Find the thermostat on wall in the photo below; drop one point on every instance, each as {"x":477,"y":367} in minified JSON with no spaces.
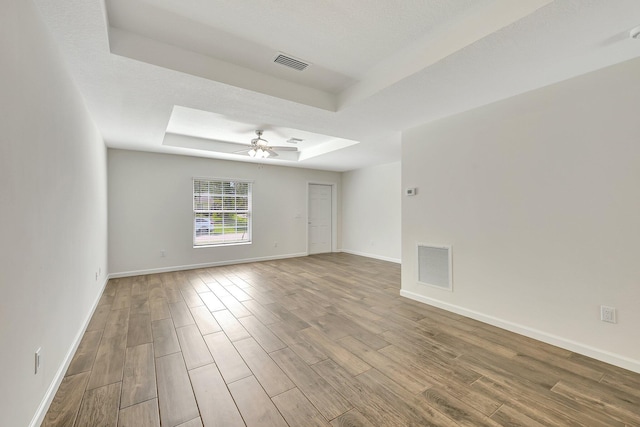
{"x":411,"y":191}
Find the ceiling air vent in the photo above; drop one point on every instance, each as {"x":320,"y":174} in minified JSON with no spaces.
{"x":290,"y":62}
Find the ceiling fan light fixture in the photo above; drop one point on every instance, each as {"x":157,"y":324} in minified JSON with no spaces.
{"x":252,"y":152}
{"x":265,"y":154}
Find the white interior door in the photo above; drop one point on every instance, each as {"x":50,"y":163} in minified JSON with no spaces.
{"x":319,"y":218}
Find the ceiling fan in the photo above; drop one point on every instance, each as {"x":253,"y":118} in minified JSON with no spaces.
{"x":260,"y":147}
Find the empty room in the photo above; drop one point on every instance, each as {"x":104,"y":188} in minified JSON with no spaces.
{"x":303,"y":213}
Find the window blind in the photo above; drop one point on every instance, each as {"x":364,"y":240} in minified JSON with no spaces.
{"x":221,"y":212}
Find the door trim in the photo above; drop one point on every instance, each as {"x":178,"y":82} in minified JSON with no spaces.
{"x":334,"y":214}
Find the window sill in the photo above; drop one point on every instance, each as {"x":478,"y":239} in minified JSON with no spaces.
{"x":218,"y":245}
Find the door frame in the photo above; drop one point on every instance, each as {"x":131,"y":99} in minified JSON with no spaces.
{"x":334,"y":213}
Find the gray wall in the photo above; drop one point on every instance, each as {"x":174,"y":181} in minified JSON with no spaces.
{"x":53,"y":216}
{"x":371,"y":212}
{"x":150,"y":209}
{"x":538,"y":195}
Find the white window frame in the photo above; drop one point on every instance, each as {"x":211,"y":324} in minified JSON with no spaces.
{"x":210,"y":236}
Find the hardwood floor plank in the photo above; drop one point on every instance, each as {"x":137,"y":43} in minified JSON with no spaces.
{"x":268,"y":374}
{"x":197,"y":283}
{"x":254,"y":404}
{"x":212,"y":302}
{"x":156,"y":292}
{"x":139,"y":330}
{"x":231,"y":365}
{"x":286,"y":316}
{"x":159,"y":309}
{"x":99,"y":318}
{"x":175,"y":395}
{"x":205,"y":321}
{"x":297,"y":410}
{"x":217,"y":408}
{"x":180,"y":314}
{"x":414,"y":408}
{"x":323,"y":396}
{"x":122,"y":299}
{"x":165,"y":340}
{"x":350,"y":362}
{"x":367,"y":401}
{"x":144,"y":414}
{"x":66,"y":403}
{"x":261,"y":313}
{"x":194,"y":349}
{"x":429,"y":372}
{"x":543,"y":405}
{"x":139,"y":379}
{"x":619,"y":408}
{"x":230,"y":325}
{"x":238,"y":293}
{"x":234,"y":306}
{"x":191,"y":297}
{"x":109,"y":363}
{"x":429,"y":365}
{"x":117,"y":323}
{"x":100,"y":407}
{"x":196,"y":422}
{"x":507,"y":416}
{"x":303,"y":348}
{"x":86,"y":353}
{"x":139,"y":304}
{"x":262,"y":334}
{"x":461,"y":413}
{"x":387,"y":366}
{"x":353,"y":418}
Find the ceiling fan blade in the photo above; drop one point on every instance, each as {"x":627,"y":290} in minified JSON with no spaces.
{"x":282,"y":148}
{"x":272,"y":153}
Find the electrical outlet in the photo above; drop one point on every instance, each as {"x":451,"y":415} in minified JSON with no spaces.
{"x":608,"y":314}
{"x":163,"y":253}
{"x":37,"y":361}
{"x":275,"y":244}
{"x":96,"y":276}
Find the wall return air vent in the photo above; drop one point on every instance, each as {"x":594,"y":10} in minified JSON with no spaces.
{"x":290,"y":62}
{"x":434,"y":266}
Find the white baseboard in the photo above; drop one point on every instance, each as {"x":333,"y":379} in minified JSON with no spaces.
{"x":205,"y":265}
{"x":368,"y":255}
{"x":38,"y":417}
{"x":576,"y":347}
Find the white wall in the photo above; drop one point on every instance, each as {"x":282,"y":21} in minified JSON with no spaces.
{"x":53,"y":216}
{"x":539,"y":196}
{"x":371,"y":200}
{"x":150,"y":209}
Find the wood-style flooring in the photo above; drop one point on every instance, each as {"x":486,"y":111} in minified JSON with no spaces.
{"x":324,"y":340}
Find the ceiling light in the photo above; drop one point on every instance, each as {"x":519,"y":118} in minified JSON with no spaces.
{"x":635,"y":33}
{"x":261,"y":149}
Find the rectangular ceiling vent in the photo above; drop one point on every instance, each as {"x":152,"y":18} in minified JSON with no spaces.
{"x":434,"y":266}
{"x":294,"y":140}
{"x":290,"y":62}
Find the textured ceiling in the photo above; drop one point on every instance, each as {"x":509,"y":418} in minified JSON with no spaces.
{"x":378,"y":67}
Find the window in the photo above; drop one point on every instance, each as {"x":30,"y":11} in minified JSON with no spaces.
{"x":221,"y":212}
